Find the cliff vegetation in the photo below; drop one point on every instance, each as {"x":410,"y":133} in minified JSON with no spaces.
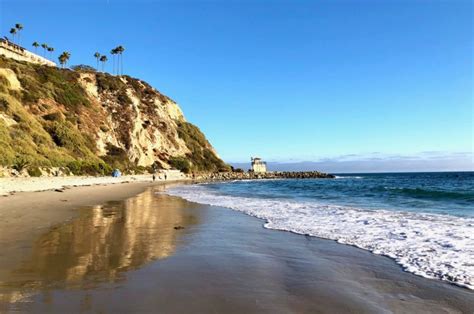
{"x":86,"y":122}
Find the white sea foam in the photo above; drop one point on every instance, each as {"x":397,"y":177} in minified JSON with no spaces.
{"x":429,"y":245}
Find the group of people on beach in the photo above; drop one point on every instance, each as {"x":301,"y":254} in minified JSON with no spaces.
{"x":154,"y":177}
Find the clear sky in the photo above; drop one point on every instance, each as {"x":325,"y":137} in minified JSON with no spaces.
{"x":287,"y":80}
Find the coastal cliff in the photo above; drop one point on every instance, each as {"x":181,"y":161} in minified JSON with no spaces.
{"x":86,"y":122}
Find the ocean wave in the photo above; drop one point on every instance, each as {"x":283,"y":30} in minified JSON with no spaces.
{"x":348,"y":177}
{"x":430,"y":245}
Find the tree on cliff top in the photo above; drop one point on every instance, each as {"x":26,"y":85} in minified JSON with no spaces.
{"x":19,"y":28}
{"x":120,"y":50}
{"x":36,"y":45}
{"x":103,"y":59}
{"x":13,"y":32}
{"x":64,"y":58}
{"x":97,"y":57}
{"x":113,"y":52}
{"x":50,"y":50}
{"x":45,"y":47}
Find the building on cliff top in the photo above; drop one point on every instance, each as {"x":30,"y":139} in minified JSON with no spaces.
{"x":16,"y":52}
{"x":258,"y":165}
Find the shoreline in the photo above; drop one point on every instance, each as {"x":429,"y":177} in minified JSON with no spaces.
{"x":11,"y":185}
{"x":236,"y":245}
{"x":402,"y":236}
{"x":393,"y":259}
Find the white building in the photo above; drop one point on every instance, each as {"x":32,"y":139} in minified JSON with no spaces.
{"x":258,"y":165}
{"x":13,"y":51}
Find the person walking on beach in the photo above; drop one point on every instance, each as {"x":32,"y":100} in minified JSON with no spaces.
{"x":154,"y":177}
{"x":166,"y":176}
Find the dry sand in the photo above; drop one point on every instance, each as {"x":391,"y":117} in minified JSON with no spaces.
{"x":152,"y":253}
{"x":30,"y":184}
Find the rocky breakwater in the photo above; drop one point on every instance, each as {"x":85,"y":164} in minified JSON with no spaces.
{"x":223,"y":176}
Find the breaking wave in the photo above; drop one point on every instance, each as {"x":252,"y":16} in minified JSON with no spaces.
{"x":426,"y":244}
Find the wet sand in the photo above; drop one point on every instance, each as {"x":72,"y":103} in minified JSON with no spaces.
{"x":104,"y":250}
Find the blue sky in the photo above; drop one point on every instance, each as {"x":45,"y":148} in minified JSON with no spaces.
{"x":287,"y":80}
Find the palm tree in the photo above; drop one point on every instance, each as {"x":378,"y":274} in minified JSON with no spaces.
{"x":113,"y":52}
{"x":120,"y":50}
{"x":19,"y":28}
{"x":68,"y":56}
{"x":36,"y":45}
{"x":97,"y":56}
{"x":64,"y":58}
{"x":45,"y":47}
{"x":103,"y":59}
{"x":13,"y":32}
{"x":50,"y":50}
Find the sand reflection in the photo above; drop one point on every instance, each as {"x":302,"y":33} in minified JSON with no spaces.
{"x":101,"y":245}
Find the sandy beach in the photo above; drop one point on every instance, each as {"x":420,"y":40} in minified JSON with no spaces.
{"x":130,"y":248}
{"x":237,"y":158}
{"x":11,"y":185}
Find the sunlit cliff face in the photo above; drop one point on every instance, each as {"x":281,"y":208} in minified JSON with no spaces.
{"x":101,"y":245}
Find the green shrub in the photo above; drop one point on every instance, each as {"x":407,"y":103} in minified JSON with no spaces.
{"x":109,"y":83}
{"x":94,"y":168}
{"x":55,"y":116}
{"x":180,"y":163}
{"x":20,"y":163}
{"x":49,"y":82}
{"x":140,"y":170}
{"x":75,"y":167}
{"x":34,"y":172}
{"x":89,"y":168}
{"x":117,"y":158}
{"x":201,"y":156}
{"x":71,"y":95}
{"x":114,"y":85}
{"x":64,"y":134}
{"x":83,"y":68}
{"x":90,"y":142}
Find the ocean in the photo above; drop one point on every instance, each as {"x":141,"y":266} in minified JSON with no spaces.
{"x":424,"y":221}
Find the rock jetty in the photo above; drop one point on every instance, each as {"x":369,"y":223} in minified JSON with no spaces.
{"x":223,"y":176}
